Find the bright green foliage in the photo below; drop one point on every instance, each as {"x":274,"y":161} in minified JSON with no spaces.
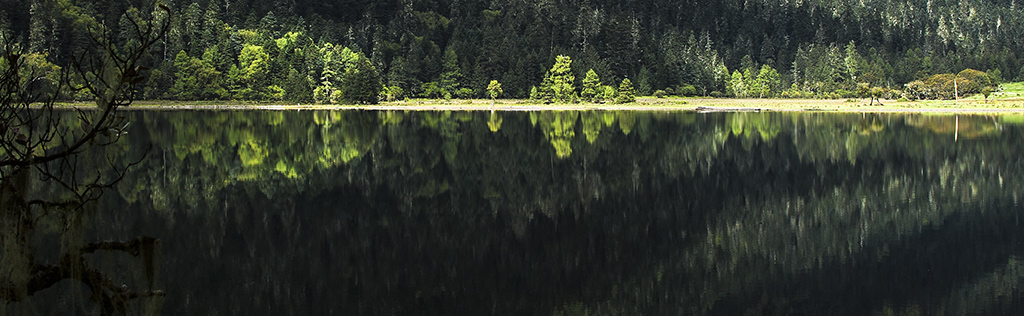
{"x":627,"y":94}
{"x":196,"y":79}
{"x":591,"y":85}
{"x":940,"y":86}
{"x":324,"y":92}
{"x":535,"y":93}
{"x":509,"y":44}
{"x":767,"y":82}
{"x":607,"y":93}
{"x":494,"y":89}
{"x":346,"y":76}
{"x":392,"y":93}
{"x":737,"y":87}
{"x":33,"y":71}
{"x":558,"y":83}
{"x":250,"y":77}
{"x":749,"y":80}
{"x":851,"y":62}
{"x":332,"y":64}
{"x":996,"y":76}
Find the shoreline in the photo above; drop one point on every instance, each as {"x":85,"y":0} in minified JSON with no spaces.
{"x":646,"y":104}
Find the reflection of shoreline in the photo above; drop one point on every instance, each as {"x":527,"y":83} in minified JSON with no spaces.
{"x":972,"y":126}
{"x":393,"y":211}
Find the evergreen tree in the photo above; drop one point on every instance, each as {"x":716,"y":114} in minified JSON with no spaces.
{"x":737,"y":87}
{"x":591,"y":86}
{"x":851,"y":62}
{"x":362,"y":83}
{"x":451,"y":74}
{"x":509,"y":41}
{"x":297,"y":87}
{"x":627,"y":94}
{"x":767,"y":82}
{"x":558,"y":83}
{"x":213,"y":31}
{"x":192,"y":29}
{"x":643,"y":85}
{"x":397,"y":74}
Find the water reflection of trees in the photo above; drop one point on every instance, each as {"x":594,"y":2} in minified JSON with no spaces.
{"x":599,"y":212}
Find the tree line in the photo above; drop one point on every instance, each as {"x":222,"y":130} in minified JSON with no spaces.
{"x":361,"y":52}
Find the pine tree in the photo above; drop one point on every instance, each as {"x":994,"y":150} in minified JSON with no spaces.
{"x":591,"y":84}
{"x":851,"y":62}
{"x":192,"y":32}
{"x":767,"y":82}
{"x":737,"y":87}
{"x":558,"y":83}
{"x":643,"y":84}
{"x":398,"y":76}
{"x":451,"y":75}
{"x":362,"y":83}
{"x":627,"y":94}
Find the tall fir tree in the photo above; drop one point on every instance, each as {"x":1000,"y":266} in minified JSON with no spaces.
{"x":451,"y":74}
{"x":591,"y":86}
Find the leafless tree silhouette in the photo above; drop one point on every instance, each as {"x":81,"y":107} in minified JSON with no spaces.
{"x":44,"y":147}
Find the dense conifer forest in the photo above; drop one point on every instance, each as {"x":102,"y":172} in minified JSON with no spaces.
{"x":359,"y":51}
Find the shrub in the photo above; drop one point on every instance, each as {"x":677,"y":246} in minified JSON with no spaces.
{"x":687,"y":90}
{"x":464,"y":93}
{"x":716,"y":94}
{"x":432,"y":90}
{"x":392,"y":93}
{"x":976,"y":81}
{"x":659,"y":94}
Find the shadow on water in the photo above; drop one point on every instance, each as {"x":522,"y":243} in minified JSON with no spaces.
{"x":921,"y":274}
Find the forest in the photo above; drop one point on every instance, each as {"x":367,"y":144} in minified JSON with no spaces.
{"x":358,"y":51}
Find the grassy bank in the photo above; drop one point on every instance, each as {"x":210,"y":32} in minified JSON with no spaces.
{"x":1009,"y":98}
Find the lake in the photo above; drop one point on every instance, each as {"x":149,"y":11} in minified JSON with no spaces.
{"x":563,"y":213}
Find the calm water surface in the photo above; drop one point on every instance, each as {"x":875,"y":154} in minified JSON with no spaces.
{"x":569,"y":213}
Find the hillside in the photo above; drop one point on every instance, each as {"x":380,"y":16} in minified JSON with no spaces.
{"x":819,"y":45}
